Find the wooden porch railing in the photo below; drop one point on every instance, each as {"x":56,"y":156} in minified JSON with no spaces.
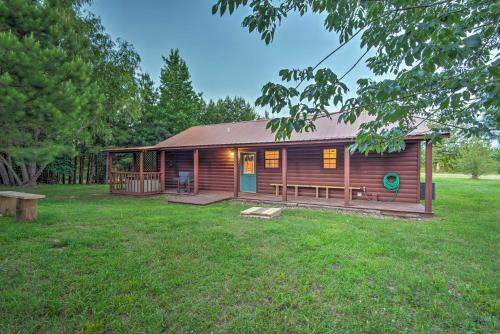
{"x":130,"y":183}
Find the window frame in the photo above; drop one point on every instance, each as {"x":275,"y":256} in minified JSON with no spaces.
{"x":329,"y":159}
{"x":274,"y":161}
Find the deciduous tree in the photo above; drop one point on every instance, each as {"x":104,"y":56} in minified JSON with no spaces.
{"x":432,"y":61}
{"x":475,"y":158}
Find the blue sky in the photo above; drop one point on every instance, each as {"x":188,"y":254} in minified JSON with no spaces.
{"x":223,"y":58}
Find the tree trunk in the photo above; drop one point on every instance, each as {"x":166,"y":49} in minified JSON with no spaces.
{"x":14,"y":178}
{"x":4,"y":174}
{"x":39,"y":172}
{"x":24,"y":173}
{"x":31,"y":174}
{"x":75,"y":163}
{"x":89,"y":167}
{"x":96,"y":178}
{"x":82,"y":161}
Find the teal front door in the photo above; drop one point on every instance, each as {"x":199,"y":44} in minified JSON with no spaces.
{"x":248,"y":179}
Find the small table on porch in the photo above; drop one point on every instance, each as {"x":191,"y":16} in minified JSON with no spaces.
{"x":23,"y":205}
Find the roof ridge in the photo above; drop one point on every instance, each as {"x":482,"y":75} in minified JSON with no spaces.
{"x":254,"y":120}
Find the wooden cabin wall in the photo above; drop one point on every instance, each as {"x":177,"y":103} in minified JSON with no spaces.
{"x":177,"y":161}
{"x":369,"y":172}
{"x":305,"y":166}
{"x":216,"y":169}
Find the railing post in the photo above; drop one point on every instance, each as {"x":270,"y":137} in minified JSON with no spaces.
{"x":347,"y":170}
{"x":162,"y":171}
{"x":141,"y":171}
{"x":284,"y":173}
{"x":236,"y":173}
{"x":110,"y":171}
{"x":428,"y":177}
{"x":196,"y":171}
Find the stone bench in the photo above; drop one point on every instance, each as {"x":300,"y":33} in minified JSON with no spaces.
{"x":22,"y":205}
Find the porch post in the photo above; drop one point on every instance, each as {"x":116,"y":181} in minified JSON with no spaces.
{"x":110,"y":171}
{"x":162,"y":171}
{"x":236,"y":173}
{"x":284,"y":172}
{"x":196,"y":172}
{"x":141,"y":171}
{"x":347,"y":171}
{"x":428,"y":177}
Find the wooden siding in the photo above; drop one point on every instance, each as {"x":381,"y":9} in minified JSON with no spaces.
{"x":369,"y":172}
{"x":216,"y":169}
{"x":305,"y":166}
{"x":177,"y":161}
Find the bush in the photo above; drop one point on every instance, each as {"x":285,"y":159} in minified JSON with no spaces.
{"x":475,"y":158}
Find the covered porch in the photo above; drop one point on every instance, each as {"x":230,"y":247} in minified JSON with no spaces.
{"x":136,"y":171}
{"x":217,"y":175}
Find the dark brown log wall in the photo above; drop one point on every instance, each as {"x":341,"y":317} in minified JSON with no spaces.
{"x":177,"y":161}
{"x":305,"y":166}
{"x":369,"y":172}
{"x":216,"y":169}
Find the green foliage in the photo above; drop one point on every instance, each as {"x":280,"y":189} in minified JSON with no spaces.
{"x":446,"y":153}
{"x":432,"y":61}
{"x":47,"y":96}
{"x":495,"y":155}
{"x":62,"y":165}
{"x":114,"y":65}
{"x":475,"y":158}
{"x":65,"y":85}
{"x":150,"y":128}
{"x":179,"y":105}
{"x":227,"y":110}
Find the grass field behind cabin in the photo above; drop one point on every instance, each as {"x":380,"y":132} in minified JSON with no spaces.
{"x":97,"y":263}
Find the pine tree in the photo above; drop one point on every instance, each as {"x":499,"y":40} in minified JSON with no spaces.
{"x":179,"y":106}
{"x":228,"y":110}
{"x":47,"y":97}
{"x":150,"y":128}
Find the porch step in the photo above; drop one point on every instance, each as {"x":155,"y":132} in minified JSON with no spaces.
{"x":259,"y":212}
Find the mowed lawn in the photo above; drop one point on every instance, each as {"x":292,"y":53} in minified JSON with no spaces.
{"x":100,"y":263}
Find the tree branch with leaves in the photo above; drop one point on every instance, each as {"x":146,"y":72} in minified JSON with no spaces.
{"x":435,"y":60}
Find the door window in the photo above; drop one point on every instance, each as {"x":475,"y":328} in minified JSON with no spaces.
{"x":248,"y":164}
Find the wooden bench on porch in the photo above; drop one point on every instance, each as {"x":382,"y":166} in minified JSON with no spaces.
{"x":23,"y":205}
{"x":317,"y":187}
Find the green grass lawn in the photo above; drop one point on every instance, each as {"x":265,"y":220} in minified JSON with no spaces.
{"x":100,"y":263}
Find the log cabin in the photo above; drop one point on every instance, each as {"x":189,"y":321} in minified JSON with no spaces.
{"x":243,"y":161}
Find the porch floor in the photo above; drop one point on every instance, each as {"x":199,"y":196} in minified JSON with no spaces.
{"x":202,"y":198}
{"x":408,"y":210}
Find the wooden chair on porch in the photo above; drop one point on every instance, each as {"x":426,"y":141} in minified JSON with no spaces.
{"x":185,"y":182}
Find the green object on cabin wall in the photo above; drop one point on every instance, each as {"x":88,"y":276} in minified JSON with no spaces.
{"x":248,"y":175}
{"x":391,"y":183}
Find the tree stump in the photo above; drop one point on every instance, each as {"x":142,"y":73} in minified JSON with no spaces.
{"x":8,"y":206}
{"x":26,"y":209}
